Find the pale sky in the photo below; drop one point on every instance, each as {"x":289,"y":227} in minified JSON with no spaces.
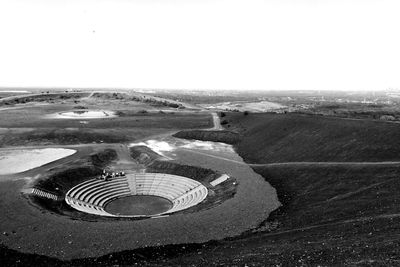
{"x":226,"y":44}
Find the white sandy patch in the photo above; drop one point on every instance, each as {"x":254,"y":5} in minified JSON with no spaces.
{"x":157,"y":146}
{"x":16,"y":161}
{"x":84,"y":114}
{"x":207,"y":145}
{"x":171,"y":144}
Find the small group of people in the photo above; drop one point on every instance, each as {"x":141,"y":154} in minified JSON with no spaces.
{"x":109,"y":175}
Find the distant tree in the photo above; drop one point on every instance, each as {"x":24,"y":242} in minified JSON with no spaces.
{"x":222,"y":114}
{"x":120,"y":113}
{"x":80,"y":107}
{"x":245,"y":113}
{"x":224,"y":122}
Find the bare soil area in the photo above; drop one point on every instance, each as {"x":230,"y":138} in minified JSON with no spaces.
{"x":138,"y":205}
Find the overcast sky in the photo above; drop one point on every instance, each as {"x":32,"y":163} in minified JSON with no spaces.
{"x":270,"y":44}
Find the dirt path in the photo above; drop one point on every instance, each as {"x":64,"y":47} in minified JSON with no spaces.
{"x":361,"y":219}
{"x":57,"y":146}
{"x":125,"y":162}
{"x":349,"y":194}
{"x":216,"y":122}
{"x":328,"y":163}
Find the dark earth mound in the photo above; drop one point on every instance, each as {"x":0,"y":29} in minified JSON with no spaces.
{"x":228,"y":137}
{"x":143,"y":154}
{"x":193,"y":172}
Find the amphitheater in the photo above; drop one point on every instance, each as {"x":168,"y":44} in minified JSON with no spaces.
{"x":93,"y":196}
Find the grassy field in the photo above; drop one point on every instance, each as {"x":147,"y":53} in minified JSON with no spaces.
{"x":290,"y":137}
{"x":30,"y":127}
{"x":51,"y":136}
{"x":37,"y":117}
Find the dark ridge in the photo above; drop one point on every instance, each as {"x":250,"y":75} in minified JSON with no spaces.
{"x":193,"y":172}
{"x":228,"y":137}
{"x":41,"y":98}
{"x":103,"y":158}
{"x":67,"y":137}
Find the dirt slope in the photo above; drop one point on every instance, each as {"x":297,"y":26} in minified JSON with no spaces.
{"x":289,"y":137}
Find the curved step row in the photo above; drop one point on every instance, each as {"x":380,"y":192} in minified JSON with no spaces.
{"x":191,"y":198}
{"x":93,"y":195}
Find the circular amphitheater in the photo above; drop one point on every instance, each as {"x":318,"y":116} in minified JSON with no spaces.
{"x":176,"y":192}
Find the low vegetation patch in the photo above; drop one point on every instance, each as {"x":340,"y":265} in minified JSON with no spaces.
{"x":355,"y":110}
{"x":153,"y":101}
{"x":143,"y":154}
{"x":46,"y":136}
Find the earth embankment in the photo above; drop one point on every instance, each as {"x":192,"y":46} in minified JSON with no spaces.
{"x":214,"y":136}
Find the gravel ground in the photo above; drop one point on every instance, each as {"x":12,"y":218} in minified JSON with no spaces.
{"x":28,"y":229}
